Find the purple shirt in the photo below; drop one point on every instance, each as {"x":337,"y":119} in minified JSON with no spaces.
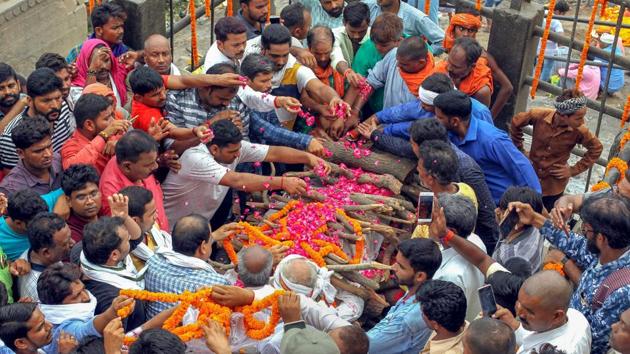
{"x":20,"y":178}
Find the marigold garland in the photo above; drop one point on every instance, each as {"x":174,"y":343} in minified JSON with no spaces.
{"x":626,"y":111}
{"x":603,"y":11}
{"x":587,"y":41}
{"x":229,"y":249}
{"x":193,"y":34}
{"x":558,"y":267}
{"x":478,"y":5}
{"x":313,"y":255}
{"x":230,"y":8}
{"x":208,"y":309}
{"x":543,"y":44}
{"x":90,"y":6}
{"x":427,"y":7}
{"x":268,"y":10}
{"x":624,"y":140}
{"x":207,"y":8}
{"x":332,"y":247}
{"x":601,"y":185}
{"x":617,"y":163}
{"x":360,"y":243}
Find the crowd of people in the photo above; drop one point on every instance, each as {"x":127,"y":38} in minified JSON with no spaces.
{"x":121,"y":171}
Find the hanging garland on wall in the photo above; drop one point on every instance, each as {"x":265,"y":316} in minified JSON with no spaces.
{"x":543,"y":45}
{"x":230,"y":8}
{"x":193,"y":33}
{"x":427,"y":6}
{"x":587,"y":42}
{"x":208,"y":9}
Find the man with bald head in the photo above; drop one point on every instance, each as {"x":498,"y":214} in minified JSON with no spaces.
{"x":254,"y":268}
{"x":545,"y":316}
{"x":158,"y":56}
{"x":489,"y":336}
{"x":298,"y":274}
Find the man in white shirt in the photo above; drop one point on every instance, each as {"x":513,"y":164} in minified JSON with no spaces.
{"x":461,"y":216}
{"x":229,"y":47}
{"x":545,"y":316}
{"x":157,"y":55}
{"x":208,"y":172}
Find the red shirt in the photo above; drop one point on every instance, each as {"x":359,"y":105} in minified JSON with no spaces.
{"x":78,"y":149}
{"x":113,"y":180}
{"x":145,"y":113}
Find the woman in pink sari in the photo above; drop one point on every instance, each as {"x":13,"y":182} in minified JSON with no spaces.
{"x":96,"y":63}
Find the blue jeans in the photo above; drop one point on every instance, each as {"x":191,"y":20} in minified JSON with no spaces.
{"x":547,"y":70}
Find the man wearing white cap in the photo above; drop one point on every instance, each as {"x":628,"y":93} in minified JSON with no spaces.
{"x":616,"y":81}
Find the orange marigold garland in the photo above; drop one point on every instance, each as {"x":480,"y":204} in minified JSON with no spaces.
{"x":268,"y":10}
{"x":603,"y":11}
{"x":543,"y":45}
{"x":427,"y":7}
{"x":208,"y":8}
{"x":313,"y":255}
{"x":229,"y":249}
{"x":617,"y":163}
{"x":587,"y":41}
{"x":626,"y":111}
{"x":230,"y":8}
{"x":624,"y":140}
{"x":193,"y":34}
{"x":600,"y":186}
{"x":90,"y":6}
{"x":478,"y":5}
{"x":360,"y":243}
{"x":558,"y":267}
{"x":210,"y":310}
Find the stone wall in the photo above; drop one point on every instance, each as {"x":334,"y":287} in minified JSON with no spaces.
{"x":29,"y":28}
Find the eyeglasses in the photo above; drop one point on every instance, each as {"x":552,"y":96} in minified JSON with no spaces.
{"x":585,"y":231}
{"x":466,"y":29}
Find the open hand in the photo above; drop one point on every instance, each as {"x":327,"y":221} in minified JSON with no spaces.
{"x":225,"y":231}
{"x":19,"y":267}
{"x":119,"y":205}
{"x":66,"y":343}
{"x":216,"y":340}
{"x":289,"y":306}
{"x":293,"y":185}
{"x":231,"y":296}
{"x":560,"y":171}
{"x":113,"y":336}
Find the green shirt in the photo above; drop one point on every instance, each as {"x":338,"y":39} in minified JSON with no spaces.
{"x":367,"y":56}
{"x":5,"y":275}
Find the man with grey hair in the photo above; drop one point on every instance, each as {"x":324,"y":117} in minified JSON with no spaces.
{"x":254,"y":269}
{"x":545,"y":317}
{"x":299,"y":274}
{"x":461,"y":217}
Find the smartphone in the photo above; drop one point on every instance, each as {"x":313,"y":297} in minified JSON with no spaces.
{"x":425,"y":207}
{"x":488,"y":303}
{"x":508,"y":223}
{"x":274,"y":19}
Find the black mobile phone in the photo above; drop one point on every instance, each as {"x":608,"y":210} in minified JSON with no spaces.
{"x":274,"y":19}
{"x":425,"y":207}
{"x":488,"y":303}
{"x":508,"y":223}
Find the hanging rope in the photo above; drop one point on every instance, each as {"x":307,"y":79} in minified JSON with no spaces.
{"x":193,"y":34}
{"x":626,"y":111}
{"x":230,"y":8}
{"x":587,"y":42}
{"x":208,"y":8}
{"x":427,"y":7}
{"x":543,"y":45}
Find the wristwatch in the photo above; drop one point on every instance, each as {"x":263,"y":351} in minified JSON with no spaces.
{"x":103,"y":135}
{"x":564,"y":260}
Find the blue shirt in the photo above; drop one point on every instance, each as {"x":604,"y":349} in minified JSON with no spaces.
{"x":502,"y":163}
{"x":403,"y":330}
{"x":15,"y":244}
{"x":433,"y":9}
{"x":592,"y":277}
{"x":616,"y":75}
{"x":77,"y":328}
{"x":164,"y":277}
{"x":398,"y":119}
{"x":265,"y":128}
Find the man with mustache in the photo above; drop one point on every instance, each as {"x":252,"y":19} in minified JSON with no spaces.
{"x":326,"y":12}
{"x":232,"y":36}
{"x":62,"y":70}
{"x":45,"y":99}
{"x":602,"y":251}
{"x":10,"y":103}
{"x":39,"y":167}
{"x":253,"y":14}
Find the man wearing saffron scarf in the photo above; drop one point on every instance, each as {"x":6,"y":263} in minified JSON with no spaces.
{"x":400,"y":72}
{"x":470,"y":76}
{"x":320,"y":41}
{"x":466,"y":23}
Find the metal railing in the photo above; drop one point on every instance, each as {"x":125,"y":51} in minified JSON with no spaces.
{"x":613,"y":61}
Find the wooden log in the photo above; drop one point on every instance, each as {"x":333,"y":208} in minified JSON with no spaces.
{"x":279,"y":198}
{"x":387,"y":200}
{"x":412,"y":191}
{"x":398,"y":220}
{"x":376,"y":162}
{"x":300,"y":174}
{"x":383,"y":181}
{"x":352,"y":276}
{"x":379,"y":208}
{"x":336,"y":169}
{"x":340,"y":283}
{"x":313,"y":194}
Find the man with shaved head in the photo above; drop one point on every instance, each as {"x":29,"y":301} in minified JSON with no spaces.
{"x":545,"y":316}
{"x":489,"y":336}
{"x":158,"y":56}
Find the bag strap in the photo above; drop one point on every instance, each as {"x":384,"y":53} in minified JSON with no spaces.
{"x":614,"y":281}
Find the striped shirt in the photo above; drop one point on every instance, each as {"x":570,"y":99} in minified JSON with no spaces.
{"x":185,"y":109}
{"x":63,"y":127}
